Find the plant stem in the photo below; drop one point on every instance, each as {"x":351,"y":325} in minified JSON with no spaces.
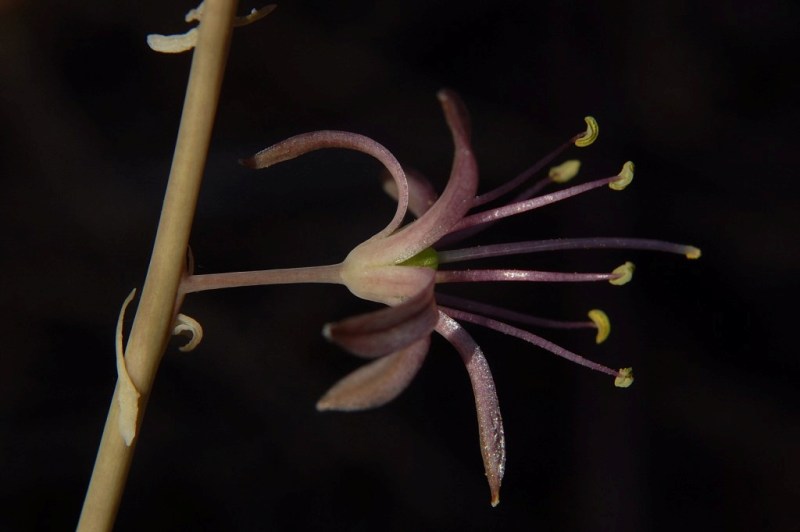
{"x":154,"y":317}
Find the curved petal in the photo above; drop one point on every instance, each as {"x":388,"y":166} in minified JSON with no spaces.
{"x":317,"y":140}
{"x":457,"y":198}
{"x":387,"y":330}
{"x":421,"y":194}
{"x":490,"y":423}
{"x":378,"y":382}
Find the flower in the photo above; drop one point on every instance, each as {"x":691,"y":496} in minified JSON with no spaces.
{"x":399,"y":267}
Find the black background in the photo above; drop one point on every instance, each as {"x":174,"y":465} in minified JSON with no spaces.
{"x":697,"y":94}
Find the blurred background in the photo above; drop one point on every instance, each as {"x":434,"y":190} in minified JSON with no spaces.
{"x":697,"y":95}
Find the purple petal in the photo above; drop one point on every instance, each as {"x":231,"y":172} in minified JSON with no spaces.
{"x":387,"y":330}
{"x":317,"y":140}
{"x":455,"y":201}
{"x":490,"y":423}
{"x":378,"y":382}
{"x":421,"y":194}
{"x":383,"y":283}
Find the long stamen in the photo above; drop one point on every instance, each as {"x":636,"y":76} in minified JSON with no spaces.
{"x":214,"y":281}
{"x":623,"y":377}
{"x":557,"y":174}
{"x":508,"y":186}
{"x":581,"y":140}
{"x":559,"y":244}
{"x":530,"y":204}
{"x":620,"y":275}
{"x":492,"y":311}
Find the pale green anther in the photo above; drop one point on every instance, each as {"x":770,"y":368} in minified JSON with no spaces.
{"x":427,"y":258}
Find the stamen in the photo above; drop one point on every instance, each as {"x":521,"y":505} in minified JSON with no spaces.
{"x":530,"y":204}
{"x":623,"y":274}
{"x":564,"y":171}
{"x":480,"y":276}
{"x":603,"y":324}
{"x":535,"y":246}
{"x":624,"y":179}
{"x":581,"y":140}
{"x":508,"y":186}
{"x":620,"y":376}
{"x":693,"y":252}
{"x":625,"y":378}
{"x":592,"y":131}
{"x":492,"y":311}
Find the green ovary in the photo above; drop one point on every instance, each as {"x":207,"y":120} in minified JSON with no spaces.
{"x":427,"y":258}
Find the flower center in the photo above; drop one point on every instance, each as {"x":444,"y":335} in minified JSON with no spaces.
{"x":427,"y":258}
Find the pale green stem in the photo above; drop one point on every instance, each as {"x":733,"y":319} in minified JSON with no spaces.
{"x":154,"y":316}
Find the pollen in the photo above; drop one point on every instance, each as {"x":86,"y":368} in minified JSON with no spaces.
{"x":592,"y":131}
{"x":625,"y":378}
{"x":564,"y":171}
{"x":693,"y":252}
{"x":603,"y":324}
{"x":624,"y":178}
{"x":623,"y":274}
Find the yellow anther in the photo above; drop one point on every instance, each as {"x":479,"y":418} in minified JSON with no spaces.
{"x":592,"y":131}
{"x":602,"y":323}
{"x":693,"y":252}
{"x":564,"y":171}
{"x":625,"y":378}
{"x":624,"y":178}
{"x":624,"y":273}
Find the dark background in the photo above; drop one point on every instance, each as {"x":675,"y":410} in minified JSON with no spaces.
{"x":697,"y":94}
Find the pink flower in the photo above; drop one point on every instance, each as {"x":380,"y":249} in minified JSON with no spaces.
{"x":400,"y":268}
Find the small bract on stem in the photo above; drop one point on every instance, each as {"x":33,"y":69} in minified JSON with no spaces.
{"x":401,"y":267}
